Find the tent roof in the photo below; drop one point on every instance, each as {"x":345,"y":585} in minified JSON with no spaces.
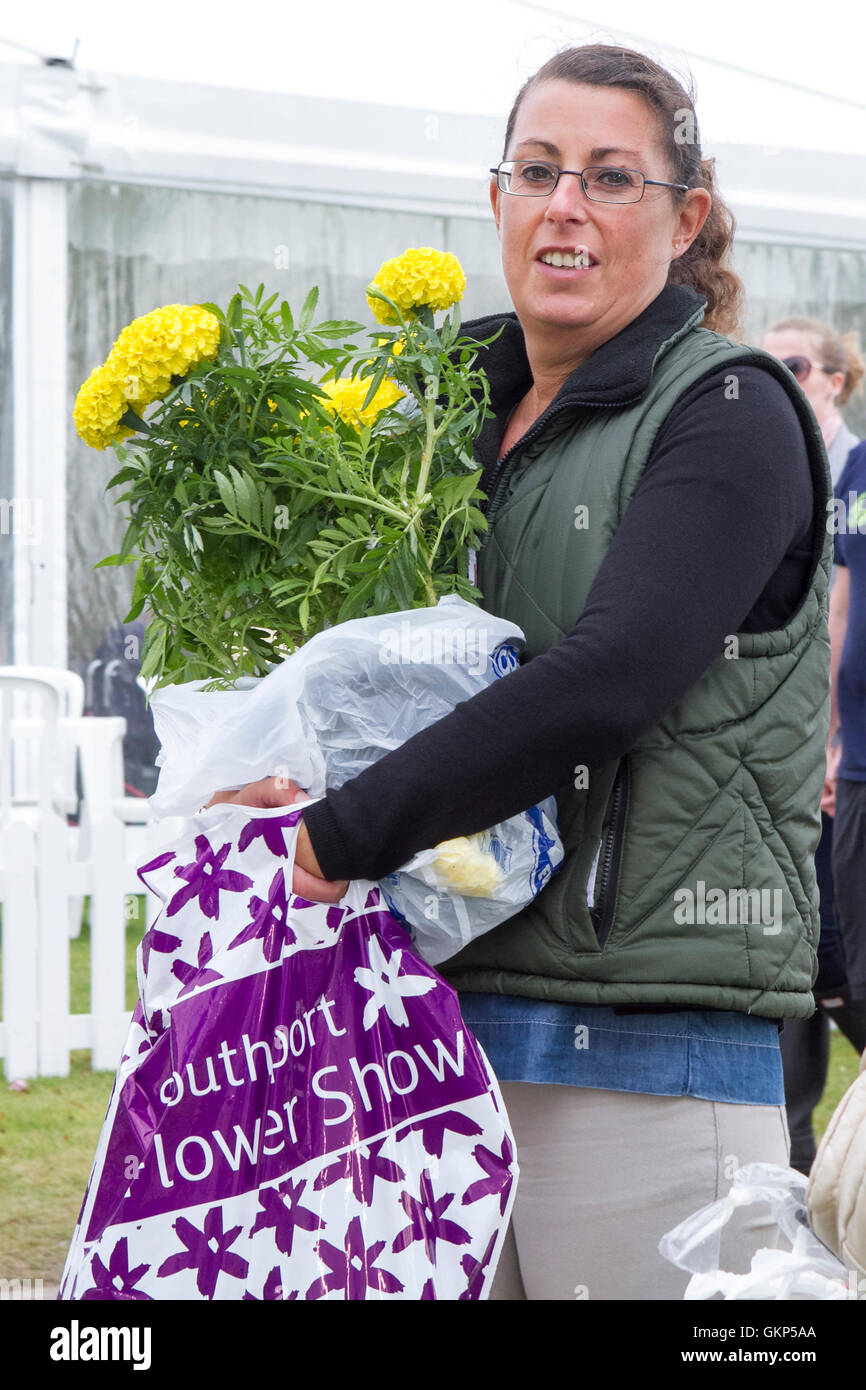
{"x":61,"y":123}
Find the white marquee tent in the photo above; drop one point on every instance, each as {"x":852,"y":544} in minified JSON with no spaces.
{"x":118,"y":194}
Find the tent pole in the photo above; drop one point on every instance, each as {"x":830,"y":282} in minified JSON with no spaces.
{"x":38,"y":510}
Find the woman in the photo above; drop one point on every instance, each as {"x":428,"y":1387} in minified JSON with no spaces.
{"x":673,"y":694}
{"x":829,"y":368}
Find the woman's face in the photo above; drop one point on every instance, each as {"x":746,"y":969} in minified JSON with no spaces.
{"x":820,"y":388}
{"x":630,"y":245}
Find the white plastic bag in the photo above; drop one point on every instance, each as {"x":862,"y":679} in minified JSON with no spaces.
{"x":349,"y":696}
{"x":807,"y":1270}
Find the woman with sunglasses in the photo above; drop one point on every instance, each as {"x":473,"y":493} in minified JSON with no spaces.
{"x":829,"y":368}
{"x":657,"y":498}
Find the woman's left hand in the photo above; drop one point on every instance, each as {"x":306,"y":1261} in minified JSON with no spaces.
{"x":307,"y":880}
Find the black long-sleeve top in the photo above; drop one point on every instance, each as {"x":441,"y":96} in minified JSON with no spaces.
{"x":717,"y":539}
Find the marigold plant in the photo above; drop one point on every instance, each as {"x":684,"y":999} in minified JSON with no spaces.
{"x":264,"y":505}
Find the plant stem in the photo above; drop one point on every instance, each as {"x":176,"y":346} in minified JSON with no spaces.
{"x":440,"y":533}
{"x":432,"y":435}
{"x":351,"y":497}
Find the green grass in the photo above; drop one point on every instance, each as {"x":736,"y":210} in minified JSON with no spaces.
{"x":48,"y":1137}
{"x":844,"y":1062}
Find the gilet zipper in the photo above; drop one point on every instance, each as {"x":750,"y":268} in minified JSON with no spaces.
{"x":500,"y":470}
{"x":611,"y":851}
{"x":607,"y":880}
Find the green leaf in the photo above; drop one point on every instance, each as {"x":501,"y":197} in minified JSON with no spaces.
{"x":140,"y":592}
{"x":294,"y":386}
{"x":123,"y":476}
{"x":286,"y":317}
{"x":304,"y":612}
{"x":153,"y":649}
{"x":338,"y":328}
{"x":133,"y":421}
{"x":234,"y":313}
{"x":226,"y":492}
{"x":129,"y":541}
{"x":227,"y":525}
{"x":356,"y":601}
{"x":309,"y":308}
{"x":247,"y":497}
{"x":378,"y":378}
{"x":243,"y":373}
{"x":400,"y":576}
{"x":322,"y":569}
{"x":287,"y":586}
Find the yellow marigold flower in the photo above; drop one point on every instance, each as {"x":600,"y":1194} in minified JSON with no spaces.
{"x":166,"y":342}
{"x":466,"y":867}
{"x":99,"y":405}
{"x":272,"y":405}
{"x":151,"y":350}
{"x":420,"y":276}
{"x":345,"y":398}
{"x":398,"y":345}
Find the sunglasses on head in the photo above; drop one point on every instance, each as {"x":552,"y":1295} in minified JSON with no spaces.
{"x":800,"y":367}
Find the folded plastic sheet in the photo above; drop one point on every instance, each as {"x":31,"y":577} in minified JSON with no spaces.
{"x":300,"y":1111}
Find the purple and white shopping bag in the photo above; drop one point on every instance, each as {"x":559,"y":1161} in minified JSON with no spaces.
{"x":300,"y":1111}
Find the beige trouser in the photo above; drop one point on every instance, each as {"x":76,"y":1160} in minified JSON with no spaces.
{"x":604,"y":1174}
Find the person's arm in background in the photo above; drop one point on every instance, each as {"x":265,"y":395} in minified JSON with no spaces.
{"x":838,"y":626}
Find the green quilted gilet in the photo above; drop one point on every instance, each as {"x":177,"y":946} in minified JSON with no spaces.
{"x":698,"y":846}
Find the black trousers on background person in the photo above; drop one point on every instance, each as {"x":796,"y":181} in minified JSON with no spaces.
{"x":849,"y":881}
{"x":805,"y":1043}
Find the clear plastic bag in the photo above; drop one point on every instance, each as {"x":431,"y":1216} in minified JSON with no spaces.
{"x":345,"y":699}
{"x":300,"y":1111}
{"x":808,"y":1270}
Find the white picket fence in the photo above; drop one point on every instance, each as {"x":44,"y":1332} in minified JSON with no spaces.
{"x":48,"y":867}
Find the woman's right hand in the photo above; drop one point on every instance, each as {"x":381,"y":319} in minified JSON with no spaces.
{"x":268,"y":793}
{"x":831,"y":773}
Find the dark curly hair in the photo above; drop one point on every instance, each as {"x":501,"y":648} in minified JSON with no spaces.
{"x":706,"y":265}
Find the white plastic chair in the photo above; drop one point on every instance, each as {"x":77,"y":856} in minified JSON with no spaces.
{"x":33,"y":847}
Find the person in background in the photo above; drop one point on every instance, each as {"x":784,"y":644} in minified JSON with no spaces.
{"x":829,"y":368}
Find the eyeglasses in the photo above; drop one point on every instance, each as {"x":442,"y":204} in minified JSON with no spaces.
{"x":603,"y":183}
{"x":800,"y":367}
